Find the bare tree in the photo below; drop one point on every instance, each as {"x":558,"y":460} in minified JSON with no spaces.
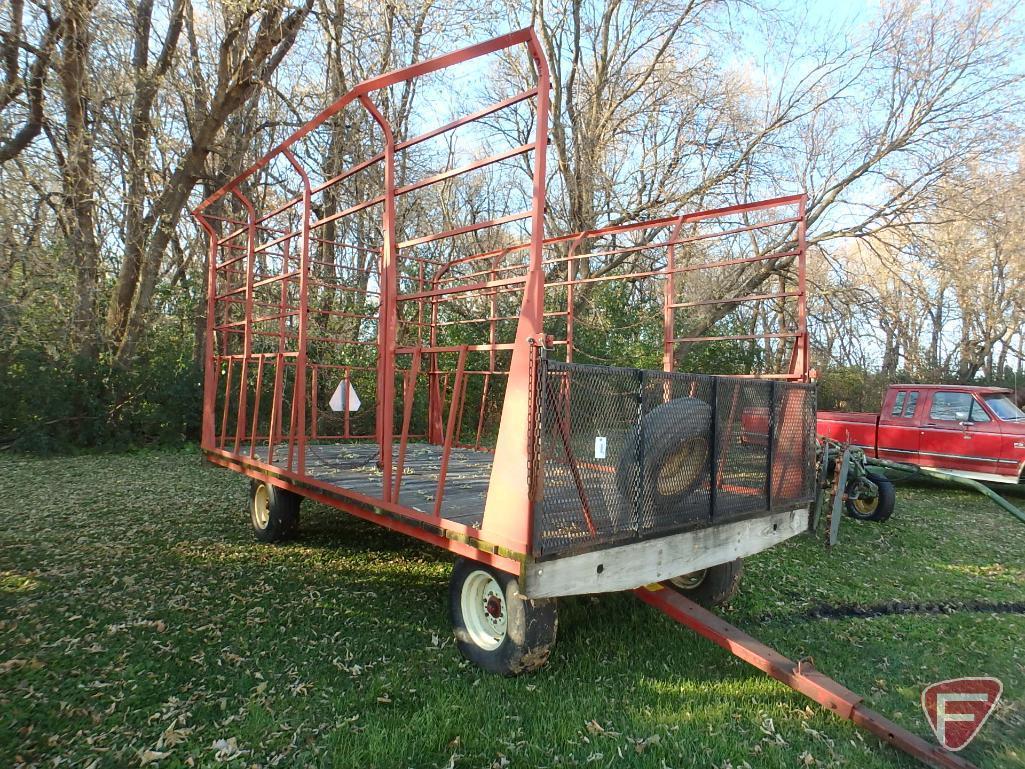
{"x":75,"y":158}
{"x":253,"y":45}
{"x":146,"y":77}
{"x":26,"y":65}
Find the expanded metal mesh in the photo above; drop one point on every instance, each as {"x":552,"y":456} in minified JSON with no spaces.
{"x":623,"y":454}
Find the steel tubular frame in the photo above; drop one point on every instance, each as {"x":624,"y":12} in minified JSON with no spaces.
{"x":234,"y":282}
{"x":413,"y":289}
{"x":798,"y":369}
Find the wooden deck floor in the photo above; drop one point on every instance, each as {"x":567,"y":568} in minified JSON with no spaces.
{"x":353,"y":466}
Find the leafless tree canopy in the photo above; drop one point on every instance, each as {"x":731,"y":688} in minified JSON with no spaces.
{"x":903,"y":125}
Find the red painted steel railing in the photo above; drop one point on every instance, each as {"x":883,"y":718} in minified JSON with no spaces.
{"x":313,"y":281}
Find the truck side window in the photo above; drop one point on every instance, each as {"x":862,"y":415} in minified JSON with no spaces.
{"x":898,"y":405}
{"x":978,"y":413}
{"x":951,"y":407}
{"x":909,"y":409}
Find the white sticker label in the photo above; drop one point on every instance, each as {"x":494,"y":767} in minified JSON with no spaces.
{"x":600,"y":446}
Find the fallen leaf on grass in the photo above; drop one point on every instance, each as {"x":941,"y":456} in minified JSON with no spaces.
{"x":152,"y":756}
{"x":172,"y":737}
{"x":226,"y":749}
{"x":17,"y":664}
{"x":641,"y":745}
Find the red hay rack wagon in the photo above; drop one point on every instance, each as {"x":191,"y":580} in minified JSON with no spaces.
{"x":440,"y":379}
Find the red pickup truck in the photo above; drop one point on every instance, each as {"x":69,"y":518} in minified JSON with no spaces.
{"x":977,"y":432}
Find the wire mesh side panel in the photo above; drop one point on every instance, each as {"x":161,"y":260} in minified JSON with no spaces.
{"x":674,"y":450}
{"x":586,"y":416}
{"x":743,"y":453}
{"x":793,"y":444}
{"x":622,"y":455}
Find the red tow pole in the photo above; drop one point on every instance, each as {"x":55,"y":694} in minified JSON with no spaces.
{"x":799,"y":676}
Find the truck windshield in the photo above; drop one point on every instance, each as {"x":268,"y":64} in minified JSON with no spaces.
{"x":1004,"y":407}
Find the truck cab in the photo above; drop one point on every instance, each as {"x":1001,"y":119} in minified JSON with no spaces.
{"x":974,"y":431}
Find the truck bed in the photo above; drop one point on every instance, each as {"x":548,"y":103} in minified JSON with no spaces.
{"x":858,"y":427}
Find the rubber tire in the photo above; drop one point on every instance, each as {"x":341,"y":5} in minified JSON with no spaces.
{"x":720,"y":584}
{"x":665,"y":428}
{"x":530,"y":630}
{"x":886,"y":500}
{"x":283,"y":519}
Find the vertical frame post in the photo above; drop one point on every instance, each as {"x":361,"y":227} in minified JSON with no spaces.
{"x":802,"y":360}
{"x":713,"y":449}
{"x":669,"y":312}
{"x":314,"y":392}
{"x":297,"y":435}
{"x":770,"y":440}
{"x":256,"y":407}
{"x":509,"y":509}
{"x":641,"y":481}
{"x":247,"y":337}
{"x":207,"y":436}
{"x":407,"y":412}
{"x":571,"y":281}
{"x":453,"y":409}
{"x":388,"y":308}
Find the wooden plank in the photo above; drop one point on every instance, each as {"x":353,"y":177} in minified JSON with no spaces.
{"x":640,"y":563}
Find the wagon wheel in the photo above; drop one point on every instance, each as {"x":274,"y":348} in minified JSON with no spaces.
{"x":273,"y":511}
{"x":873,"y":501}
{"x":497,"y":627}
{"x":710,"y":587}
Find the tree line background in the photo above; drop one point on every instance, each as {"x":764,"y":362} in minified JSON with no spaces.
{"x":903,"y":125}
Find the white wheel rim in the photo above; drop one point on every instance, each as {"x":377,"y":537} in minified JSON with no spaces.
{"x":261,"y":507}
{"x":689,"y":581}
{"x":482,"y":604}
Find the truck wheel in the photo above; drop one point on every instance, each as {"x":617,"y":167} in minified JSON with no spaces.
{"x":274,"y":512}
{"x":877,"y":506}
{"x":496,"y":627}
{"x":675,"y":452}
{"x":710,"y":587}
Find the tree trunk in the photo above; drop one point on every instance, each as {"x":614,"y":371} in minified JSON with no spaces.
{"x":241,"y":74}
{"x":77,"y":177}
{"x":146,"y":85}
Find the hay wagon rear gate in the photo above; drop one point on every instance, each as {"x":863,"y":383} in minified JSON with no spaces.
{"x":430,"y":381}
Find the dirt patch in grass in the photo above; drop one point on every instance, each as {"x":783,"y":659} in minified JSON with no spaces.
{"x":848,"y":611}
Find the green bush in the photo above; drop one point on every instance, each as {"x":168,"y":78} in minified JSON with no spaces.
{"x":53,"y":404}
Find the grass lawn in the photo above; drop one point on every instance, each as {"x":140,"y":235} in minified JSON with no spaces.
{"x":141,"y":624}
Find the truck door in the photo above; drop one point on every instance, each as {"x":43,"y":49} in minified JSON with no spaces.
{"x":898,"y":438}
{"x":986,"y":439}
{"x":958,"y":434}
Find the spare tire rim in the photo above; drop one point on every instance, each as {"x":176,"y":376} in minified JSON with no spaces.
{"x":482,"y":604}
{"x":681,"y":467}
{"x":261,"y":507}
{"x":689,"y":581}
